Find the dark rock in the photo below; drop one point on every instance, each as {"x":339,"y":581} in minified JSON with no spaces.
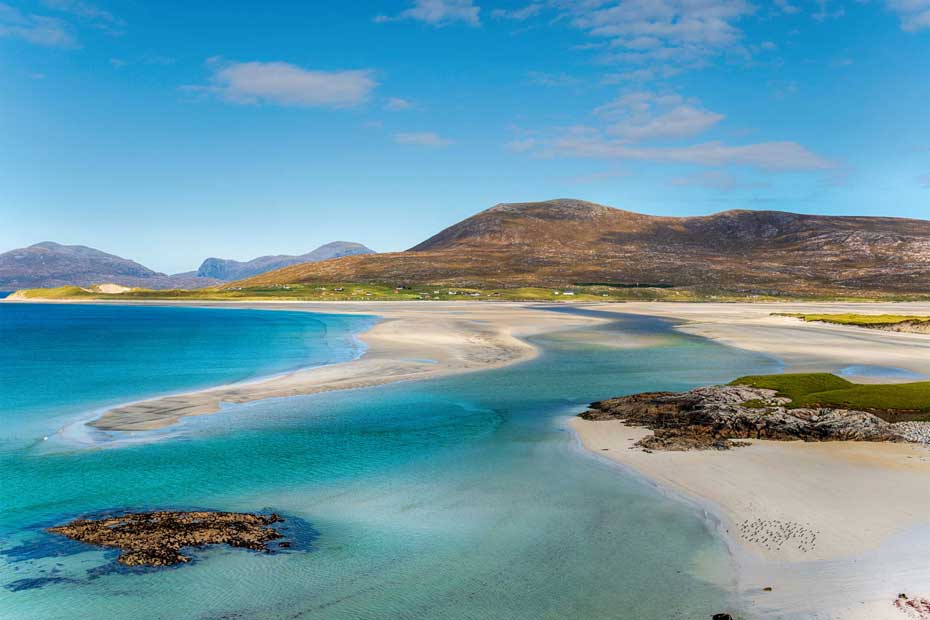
{"x":156,"y":538}
{"x":715,"y":418}
{"x":722,"y":617}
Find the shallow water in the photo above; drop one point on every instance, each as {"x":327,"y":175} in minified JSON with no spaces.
{"x":457,"y":498}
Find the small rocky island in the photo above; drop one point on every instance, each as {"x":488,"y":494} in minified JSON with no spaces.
{"x":156,"y":538}
{"x":718,"y":417}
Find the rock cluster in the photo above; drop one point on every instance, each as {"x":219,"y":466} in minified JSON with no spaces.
{"x":916,"y":432}
{"x":156,"y":538}
{"x":713,"y":417}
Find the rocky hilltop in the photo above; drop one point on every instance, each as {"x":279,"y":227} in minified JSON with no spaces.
{"x":227,"y":269}
{"x":718,"y":417}
{"x":565,"y":242}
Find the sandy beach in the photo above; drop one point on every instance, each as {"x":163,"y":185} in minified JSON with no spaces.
{"x":412,"y":341}
{"x":836,"y":529}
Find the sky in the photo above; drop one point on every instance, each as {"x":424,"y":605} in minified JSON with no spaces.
{"x":167,"y":132}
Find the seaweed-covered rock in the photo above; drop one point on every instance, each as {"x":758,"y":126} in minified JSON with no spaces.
{"x":156,"y":538}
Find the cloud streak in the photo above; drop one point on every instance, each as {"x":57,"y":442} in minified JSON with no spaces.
{"x":35,"y":29}
{"x":284,"y":84}
{"x":914,"y":14}
{"x":437,"y":12}
{"x":641,"y":117}
{"x":426,"y":138}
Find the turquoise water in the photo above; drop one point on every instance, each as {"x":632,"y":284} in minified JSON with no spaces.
{"x":457,"y":498}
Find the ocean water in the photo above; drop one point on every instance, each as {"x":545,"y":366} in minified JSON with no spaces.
{"x":458,"y":498}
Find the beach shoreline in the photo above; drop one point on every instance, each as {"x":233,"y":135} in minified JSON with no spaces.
{"x":866,"y":505}
{"x":837,"y":490}
{"x":409,"y":342}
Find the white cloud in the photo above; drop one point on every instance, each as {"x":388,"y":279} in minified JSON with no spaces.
{"x":396,"y":104}
{"x":36,"y":29}
{"x":285,"y":84}
{"x":914,"y":14}
{"x":640,"y":75}
{"x":683,"y":32}
{"x":640,"y":116}
{"x":786,"y":7}
{"x":521,"y":14}
{"x":773,"y":156}
{"x":426,"y":138}
{"x":679,"y":122}
{"x":541,"y":78}
{"x":89,"y":13}
{"x":438,"y":12}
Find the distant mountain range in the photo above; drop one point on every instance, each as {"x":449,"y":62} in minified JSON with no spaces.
{"x":48,"y":264}
{"x":226,"y":269}
{"x":565,"y":242}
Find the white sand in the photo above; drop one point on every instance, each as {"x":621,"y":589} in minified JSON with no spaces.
{"x":837,"y":529}
{"x":415,"y":340}
{"x":803,"y":347}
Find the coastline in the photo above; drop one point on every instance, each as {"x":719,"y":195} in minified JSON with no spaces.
{"x":865,"y":506}
{"x":411,"y":341}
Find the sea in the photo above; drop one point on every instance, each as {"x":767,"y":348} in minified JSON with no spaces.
{"x":466,"y":497}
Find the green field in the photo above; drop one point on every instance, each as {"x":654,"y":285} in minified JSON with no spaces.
{"x":348,"y":291}
{"x":859,"y":320}
{"x":894,"y":402}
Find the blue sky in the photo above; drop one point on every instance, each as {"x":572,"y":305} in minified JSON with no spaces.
{"x":171,"y":131}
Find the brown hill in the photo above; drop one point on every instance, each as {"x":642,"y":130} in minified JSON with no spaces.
{"x":565,"y":242}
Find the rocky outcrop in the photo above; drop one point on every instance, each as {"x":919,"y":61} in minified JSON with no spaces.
{"x":718,"y":417}
{"x":156,"y":538}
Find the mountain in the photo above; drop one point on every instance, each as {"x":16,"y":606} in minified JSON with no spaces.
{"x":565,"y":242}
{"x":48,"y":264}
{"x":226,"y":269}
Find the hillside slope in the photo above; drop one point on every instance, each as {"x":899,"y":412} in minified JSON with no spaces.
{"x":565,"y":242}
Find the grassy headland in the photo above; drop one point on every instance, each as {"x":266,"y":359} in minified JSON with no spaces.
{"x":861,"y":320}
{"x":895,"y":402}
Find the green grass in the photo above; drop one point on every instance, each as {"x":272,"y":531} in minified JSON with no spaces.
{"x":375,"y":291}
{"x":861,"y":320}
{"x":891,"y":401}
{"x":382,"y":292}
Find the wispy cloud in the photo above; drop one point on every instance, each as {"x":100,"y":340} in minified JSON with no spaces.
{"x":281,"y":83}
{"x":640,"y":117}
{"x":396,"y":104}
{"x":914,"y":14}
{"x":542,"y":78}
{"x":426,"y":138}
{"x":89,"y":13}
{"x":36,"y":29}
{"x":437,"y":12}
{"x":677,"y":32}
{"x":771,"y":156}
{"x":521,"y":14}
